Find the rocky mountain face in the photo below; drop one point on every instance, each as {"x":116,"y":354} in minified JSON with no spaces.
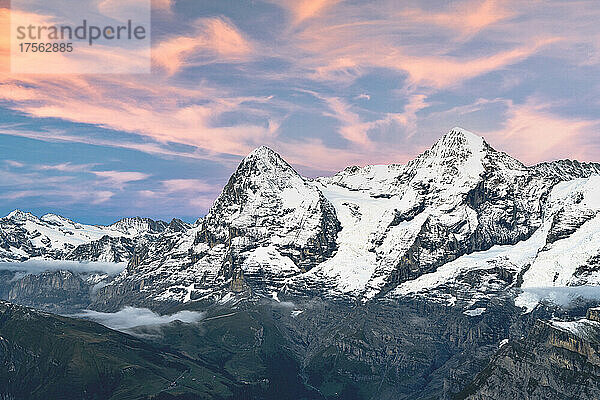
{"x":57,"y":264}
{"x":380,"y":282}
{"x":376,"y":231}
{"x":557,"y":360}
{"x":268,"y":224}
{"x":461,"y":197}
{"x":23,"y":236}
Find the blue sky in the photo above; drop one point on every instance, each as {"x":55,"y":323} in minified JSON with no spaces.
{"x":326,"y":83}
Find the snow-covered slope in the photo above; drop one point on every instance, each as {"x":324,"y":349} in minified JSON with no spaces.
{"x":268,"y":224}
{"x":563,"y":252}
{"x":460,"y":223}
{"x":459,"y":197}
{"x":24,"y":236}
{"x":138,"y":226}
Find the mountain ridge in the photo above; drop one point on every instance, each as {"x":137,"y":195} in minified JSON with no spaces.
{"x":379,"y":282}
{"x":360,"y":234}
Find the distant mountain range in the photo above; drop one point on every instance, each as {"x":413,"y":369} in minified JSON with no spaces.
{"x":459,"y":209}
{"x":462,"y":242}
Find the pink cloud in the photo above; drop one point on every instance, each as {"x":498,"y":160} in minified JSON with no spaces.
{"x":342,"y":52}
{"x":150,"y":148}
{"x":165,"y":5}
{"x":356,"y":130}
{"x":314,"y":158}
{"x":216,"y":39}
{"x":149,"y":108}
{"x":302,"y":10}
{"x":195,"y":194}
{"x":101,"y":196}
{"x":467,"y":17}
{"x":61,"y":196}
{"x":354,"y":39}
{"x":408,"y":118}
{"x":14,"y":164}
{"x":352,"y":128}
{"x":188,"y":185}
{"x":443,"y":71}
{"x":532,"y":133}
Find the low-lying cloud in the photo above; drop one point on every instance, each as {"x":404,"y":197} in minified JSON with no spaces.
{"x":563,"y":296}
{"x":38,"y":266}
{"x":132,"y":317}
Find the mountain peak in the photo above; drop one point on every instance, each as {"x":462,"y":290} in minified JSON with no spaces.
{"x":457,"y":130}
{"x":138,"y":225}
{"x":262,"y":151}
{"x":457,"y":143}
{"x":20,"y":215}
{"x":14,"y":213}
{"x":55,"y":218}
{"x":460,"y":137}
{"x":263,"y":159}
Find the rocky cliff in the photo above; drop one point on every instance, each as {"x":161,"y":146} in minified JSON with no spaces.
{"x":557,"y":360}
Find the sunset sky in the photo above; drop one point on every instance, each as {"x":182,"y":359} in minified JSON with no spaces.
{"x":327,"y":84}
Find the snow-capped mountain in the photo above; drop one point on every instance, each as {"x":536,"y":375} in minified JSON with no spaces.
{"x":23,"y":236}
{"x":395,"y":279}
{"x":268,"y":224}
{"x":460,"y":223}
{"x":456,"y":198}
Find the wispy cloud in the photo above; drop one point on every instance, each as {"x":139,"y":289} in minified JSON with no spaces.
{"x":163,"y":5}
{"x":352,"y":128}
{"x":14,"y":163}
{"x":468,"y":17}
{"x":533,"y":133}
{"x":301,"y":10}
{"x":61,"y":183}
{"x":196,"y":194}
{"x":326,"y":83}
{"x":120,"y":178}
{"x":65,"y":167}
{"x":215,"y":40}
{"x":185,"y":185}
{"x":131,"y":317}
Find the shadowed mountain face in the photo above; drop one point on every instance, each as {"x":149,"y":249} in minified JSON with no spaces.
{"x":380,"y":282}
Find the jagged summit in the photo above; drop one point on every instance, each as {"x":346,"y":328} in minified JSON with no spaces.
{"x":455,"y":162}
{"x":262,"y":151}
{"x":139,"y":225}
{"x":458,"y":131}
{"x":55,"y":218}
{"x":457,"y":142}
{"x":19,"y":215}
{"x":264,"y":160}
{"x":14,"y":213}
{"x":262,"y":170}
{"x":262,"y":184}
